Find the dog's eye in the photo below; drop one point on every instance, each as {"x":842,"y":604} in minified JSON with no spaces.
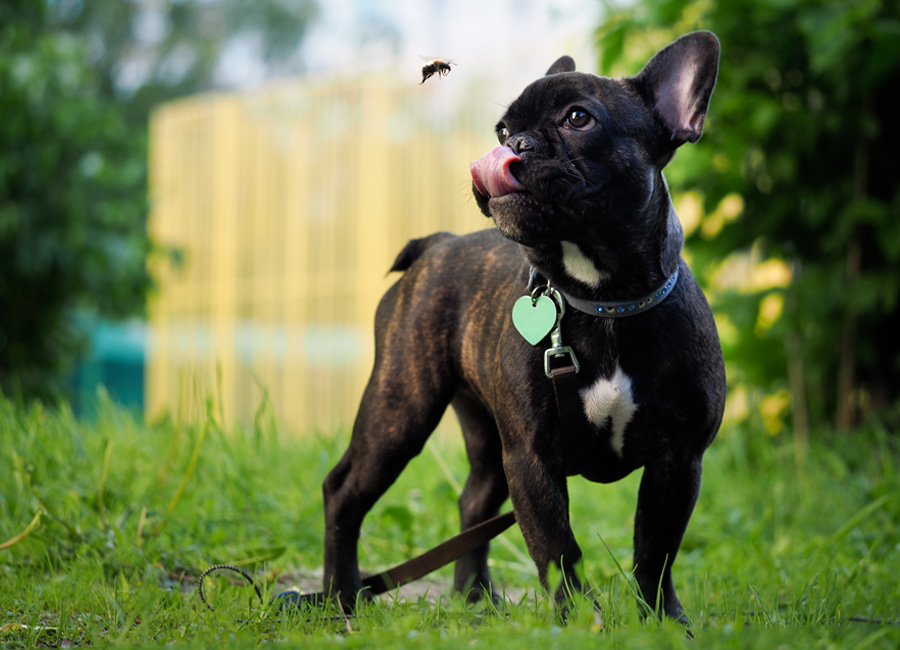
{"x":579,"y":119}
{"x":502,"y":134}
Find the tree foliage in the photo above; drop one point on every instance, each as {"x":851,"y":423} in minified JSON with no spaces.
{"x":72,"y":202}
{"x":77,"y":83}
{"x":803,"y":130}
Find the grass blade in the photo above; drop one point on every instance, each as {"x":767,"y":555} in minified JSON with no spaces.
{"x":25,"y":533}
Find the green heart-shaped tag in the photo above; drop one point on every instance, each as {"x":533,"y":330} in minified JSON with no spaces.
{"x":534,"y":320}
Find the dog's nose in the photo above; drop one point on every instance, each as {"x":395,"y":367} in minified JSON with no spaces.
{"x":521,"y":142}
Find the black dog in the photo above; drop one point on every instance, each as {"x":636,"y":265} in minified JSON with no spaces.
{"x":586,"y":225}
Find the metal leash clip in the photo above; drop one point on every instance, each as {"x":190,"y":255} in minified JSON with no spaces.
{"x":557,"y":349}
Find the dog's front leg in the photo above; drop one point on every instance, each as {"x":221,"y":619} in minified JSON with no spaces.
{"x":540,"y":498}
{"x":666,"y":500}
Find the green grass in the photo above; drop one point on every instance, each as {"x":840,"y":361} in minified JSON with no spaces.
{"x":106,"y":526}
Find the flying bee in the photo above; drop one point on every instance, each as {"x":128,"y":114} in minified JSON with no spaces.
{"x":435,"y":67}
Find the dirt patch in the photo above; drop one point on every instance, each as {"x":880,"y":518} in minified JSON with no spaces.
{"x":428,"y":588}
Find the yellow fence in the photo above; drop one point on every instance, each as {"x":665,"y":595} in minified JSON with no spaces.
{"x":290,"y":204}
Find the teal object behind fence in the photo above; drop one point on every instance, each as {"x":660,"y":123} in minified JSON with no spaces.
{"x":115,"y":361}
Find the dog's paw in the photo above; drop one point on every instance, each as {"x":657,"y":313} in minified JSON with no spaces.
{"x":292,"y":599}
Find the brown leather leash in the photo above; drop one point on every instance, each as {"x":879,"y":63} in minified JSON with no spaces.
{"x":441,"y":555}
{"x":573,"y":427}
{"x":379,"y":583}
{"x":418,"y":567}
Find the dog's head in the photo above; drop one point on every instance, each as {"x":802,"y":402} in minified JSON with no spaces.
{"x":577,"y":176}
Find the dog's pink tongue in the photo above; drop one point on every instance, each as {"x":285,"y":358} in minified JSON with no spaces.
{"x":491,"y":174}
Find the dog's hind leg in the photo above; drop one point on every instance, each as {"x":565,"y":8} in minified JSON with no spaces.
{"x":484,"y":492}
{"x":395,"y":418}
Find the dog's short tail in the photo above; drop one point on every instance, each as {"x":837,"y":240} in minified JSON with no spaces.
{"x":414,"y":249}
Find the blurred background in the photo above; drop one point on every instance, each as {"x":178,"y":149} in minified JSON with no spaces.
{"x":199,"y":199}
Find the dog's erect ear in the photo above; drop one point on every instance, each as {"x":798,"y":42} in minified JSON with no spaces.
{"x":678,"y":83}
{"x":562,"y":64}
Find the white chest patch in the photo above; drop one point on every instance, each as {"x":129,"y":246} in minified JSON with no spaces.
{"x":610,"y":401}
{"x":578,"y":266}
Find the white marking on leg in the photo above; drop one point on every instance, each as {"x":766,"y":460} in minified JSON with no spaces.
{"x":580,"y":267}
{"x":611,"y":400}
